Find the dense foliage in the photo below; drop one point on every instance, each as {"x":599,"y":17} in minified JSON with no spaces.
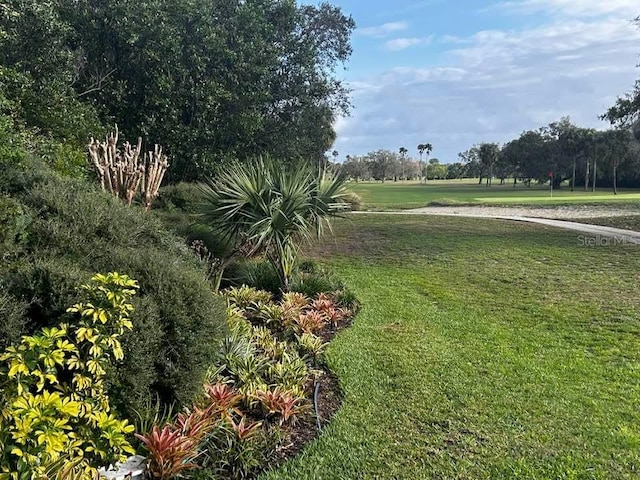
{"x":581,"y":156}
{"x":210,"y":80}
{"x":564,"y":152}
{"x":55,"y":412}
{"x":58,"y":232}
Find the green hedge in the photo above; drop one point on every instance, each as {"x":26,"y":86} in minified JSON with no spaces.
{"x":64,"y":231}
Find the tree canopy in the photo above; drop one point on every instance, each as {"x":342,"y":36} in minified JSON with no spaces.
{"x":211,"y":80}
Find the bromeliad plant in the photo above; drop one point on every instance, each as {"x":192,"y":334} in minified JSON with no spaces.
{"x":282,"y":404}
{"x":259,"y":386}
{"x":200,"y":438}
{"x":171,"y":452}
{"x":53,"y":404}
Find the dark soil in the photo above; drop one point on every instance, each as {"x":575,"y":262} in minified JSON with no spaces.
{"x":297,"y":436}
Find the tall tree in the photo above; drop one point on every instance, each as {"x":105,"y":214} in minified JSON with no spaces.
{"x":356,"y":167}
{"x":382,"y":163}
{"x":471,"y":161}
{"x":422,"y":149}
{"x":403,"y":153}
{"x":39,"y":65}
{"x":564,"y":144}
{"x":435,"y":170}
{"x":615,"y":145}
{"x":212,"y":80}
{"x":510,"y":156}
{"x":489,"y":154}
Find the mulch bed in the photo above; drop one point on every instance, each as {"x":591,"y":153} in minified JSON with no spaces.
{"x":329,"y":401}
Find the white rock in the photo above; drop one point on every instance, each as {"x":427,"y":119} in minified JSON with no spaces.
{"x":132,"y":469}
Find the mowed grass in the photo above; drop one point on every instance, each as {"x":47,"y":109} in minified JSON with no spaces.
{"x":394,"y":195}
{"x":626,"y":222}
{"x":484,"y":349}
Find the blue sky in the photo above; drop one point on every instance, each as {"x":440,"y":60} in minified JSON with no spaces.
{"x":458,"y":72}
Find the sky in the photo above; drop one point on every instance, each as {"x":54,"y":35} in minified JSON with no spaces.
{"x":454,"y":73}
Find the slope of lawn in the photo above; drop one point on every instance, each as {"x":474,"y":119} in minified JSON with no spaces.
{"x":485,"y":349}
{"x":393,"y":195}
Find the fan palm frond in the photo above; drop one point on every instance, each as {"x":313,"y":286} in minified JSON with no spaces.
{"x":264,"y":207}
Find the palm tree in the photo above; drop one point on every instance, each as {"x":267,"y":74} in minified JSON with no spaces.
{"x":422,"y":148}
{"x":261,"y":207}
{"x":403,"y":152}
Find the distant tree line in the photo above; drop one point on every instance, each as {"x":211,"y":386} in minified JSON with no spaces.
{"x":563,"y":153}
{"x":210,"y":80}
{"x":560,"y":152}
{"x":384,"y":165}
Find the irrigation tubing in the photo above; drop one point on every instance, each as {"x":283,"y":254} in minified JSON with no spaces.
{"x":315,"y":404}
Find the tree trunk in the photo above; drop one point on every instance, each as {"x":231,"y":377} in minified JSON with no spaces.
{"x":515,"y":181}
{"x":480,"y":181}
{"x":573,"y":178}
{"x":595,"y":172}
{"x":615,"y":178}
{"x":586,"y":175}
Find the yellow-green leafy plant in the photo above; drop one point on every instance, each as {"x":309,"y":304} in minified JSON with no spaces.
{"x":311,"y":346}
{"x":54,"y":409}
{"x":244,"y":297}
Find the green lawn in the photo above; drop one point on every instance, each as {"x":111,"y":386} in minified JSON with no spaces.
{"x":627,"y":222}
{"x":485,"y":349}
{"x":392,"y":195}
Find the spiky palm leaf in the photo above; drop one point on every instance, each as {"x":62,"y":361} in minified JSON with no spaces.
{"x":263,"y":207}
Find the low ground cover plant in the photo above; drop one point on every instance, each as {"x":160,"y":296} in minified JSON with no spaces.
{"x":258,"y":389}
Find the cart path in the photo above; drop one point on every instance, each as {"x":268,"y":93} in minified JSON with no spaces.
{"x":619,"y":235}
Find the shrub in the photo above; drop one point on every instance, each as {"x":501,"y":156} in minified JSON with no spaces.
{"x":264,"y":208}
{"x":184,"y":197}
{"x":14,"y":221}
{"x":75,"y":230}
{"x":256,"y":273}
{"x":54,"y":404}
{"x":315,"y":281}
{"x":352,"y":199}
{"x":12,"y":314}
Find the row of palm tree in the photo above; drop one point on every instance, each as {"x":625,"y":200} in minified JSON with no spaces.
{"x":422,"y":149}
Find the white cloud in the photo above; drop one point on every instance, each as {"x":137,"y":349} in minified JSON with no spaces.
{"x":384,"y":30}
{"x":583,"y":8}
{"x":557,"y":38}
{"x":404,"y":43}
{"x":494,"y":84}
